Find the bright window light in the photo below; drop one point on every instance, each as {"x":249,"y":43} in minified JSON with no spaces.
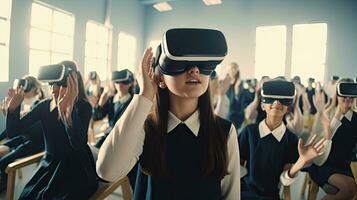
{"x":126,"y":52}
{"x":97,"y":49}
{"x":5,"y":14}
{"x":51,"y":36}
{"x":212,"y":2}
{"x":270,"y":51}
{"x":162,"y":7}
{"x":309,"y":51}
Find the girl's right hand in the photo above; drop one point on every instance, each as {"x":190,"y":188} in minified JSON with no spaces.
{"x":146,"y":76}
{"x":325,"y":121}
{"x":16,"y":98}
{"x":319,"y":101}
{"x":104,"y":97}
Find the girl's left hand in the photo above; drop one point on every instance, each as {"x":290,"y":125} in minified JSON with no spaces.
{"x":311,"y":150}
{"x":66,"y":99}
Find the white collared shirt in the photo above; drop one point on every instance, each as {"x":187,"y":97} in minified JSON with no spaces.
{"x":334,"y":125}
{"x":123,"y":146}
{"x":278,"y":133}
{"x":121,"y":99}
{"x":191,"y":122}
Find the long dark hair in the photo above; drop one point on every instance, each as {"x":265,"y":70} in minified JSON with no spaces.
{"x":212,"y":140}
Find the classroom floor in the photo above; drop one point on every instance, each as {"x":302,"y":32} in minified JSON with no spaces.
{"x":117,"y":195}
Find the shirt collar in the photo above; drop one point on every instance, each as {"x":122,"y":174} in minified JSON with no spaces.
{"x":53,"y":104}
{"x":278,"y":133}
{"x":193,"y":122}
{"x":122,"y":99}
{"x":348,"y":115}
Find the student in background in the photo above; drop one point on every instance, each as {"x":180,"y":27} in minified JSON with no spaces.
{"x":67,"y":170}
{"x":29,"y":143}
{"x":293,"y":119}
{"x":253,"y":112}
{"x":333,"y":167}
{"x":235,"y":96}
{"x":272,"y":152}
{"x":219,"y":99}
{"x":114,"y":106}
{"x":93,"y":88}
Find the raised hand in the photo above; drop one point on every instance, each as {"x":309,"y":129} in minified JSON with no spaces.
{"x":104,"y":97}
{"x":311,"y":150}
{"x":93,"y":100}
{"x":325,"y":121}
{"x":146,"y":76}
{"x":15,"y":99}
{"x":319,"y":101}
{"x":67,"y":98}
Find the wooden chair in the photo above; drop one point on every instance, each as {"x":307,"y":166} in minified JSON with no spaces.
{"x":16,"y":165}
{"x":287,"y":193}
{"x":95,"y":128}
{"x":354,"y":172}
{"x":105,"y":189}
{"x":313,"y":188}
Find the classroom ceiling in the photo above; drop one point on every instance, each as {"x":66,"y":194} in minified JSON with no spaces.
{"x":150,"y":2}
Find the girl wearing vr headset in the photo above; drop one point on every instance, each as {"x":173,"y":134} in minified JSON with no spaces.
{"x":184,"y":151}
{"x":293,"y":118}
{"x":332,"y":170}
{"x":271,"y":152}
{"x":67,"y":170}
{"x":114,"y":106}
{"x":21,"y":146}
{"x":93,"y":88}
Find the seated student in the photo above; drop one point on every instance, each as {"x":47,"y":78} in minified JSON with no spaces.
{"x":21,"y":146}
{"x":114,"y":106}
{"x":219,"y":99}
{"x":269,"y":149}
{"x":67,"y":170}
{"x":185,"y":151}
{"x":333,"y":167}
{"x":93,"y":88}
{"x":235,"y":96}
{"x":293,"y":118}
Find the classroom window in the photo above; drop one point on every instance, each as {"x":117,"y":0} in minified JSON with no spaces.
{"x":51,"y":36}
{"x":309,"y":51}
{"x":97,"y":49}
{"x":5,"y":15}
{"x":126,"y":52}
{"x":270,"y":51}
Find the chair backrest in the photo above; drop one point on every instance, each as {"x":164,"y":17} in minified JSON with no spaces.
{"x":105,"y":189}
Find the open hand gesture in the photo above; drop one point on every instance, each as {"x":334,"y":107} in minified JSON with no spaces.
{"x":311,"y":150}
{"x":146,"y":76}
{"x":15,"y":99}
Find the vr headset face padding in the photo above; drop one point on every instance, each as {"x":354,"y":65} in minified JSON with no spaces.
{"x":284,"y":91}
{"x":347,"y":89}
{"x":54,"y":74}
{"x":183,"y":48}
{"x":122,"y":76}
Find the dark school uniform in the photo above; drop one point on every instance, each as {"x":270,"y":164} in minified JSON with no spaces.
{"x":183,"y":163}
{"x":339,"y":158}
{"x":67,"y":170}
{"x":265,"y":152}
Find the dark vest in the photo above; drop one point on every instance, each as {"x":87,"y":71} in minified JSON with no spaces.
{"x":183,"y":163}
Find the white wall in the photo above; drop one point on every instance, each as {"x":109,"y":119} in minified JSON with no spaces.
{"x":239,"y":18}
